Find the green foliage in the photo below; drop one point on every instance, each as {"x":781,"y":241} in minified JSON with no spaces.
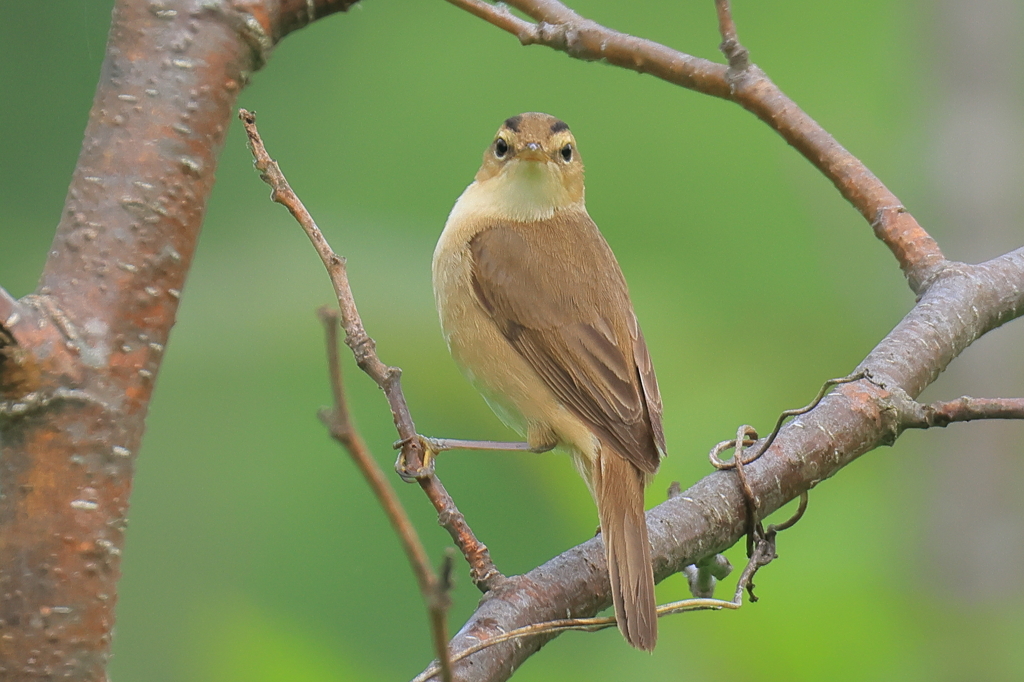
{"x":256,"y":552}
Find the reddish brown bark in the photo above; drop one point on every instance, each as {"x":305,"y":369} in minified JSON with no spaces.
{"x":79,"y":357}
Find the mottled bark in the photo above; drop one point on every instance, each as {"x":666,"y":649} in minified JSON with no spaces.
{"x":78,"y":358}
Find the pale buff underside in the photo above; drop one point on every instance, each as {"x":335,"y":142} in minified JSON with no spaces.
{"x":503,"y":377}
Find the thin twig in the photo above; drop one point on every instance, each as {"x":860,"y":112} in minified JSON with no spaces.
{"x":497,"y":15}
{"x":482,"y":570}
{"x":962,"y":409}
{"x":739,"y":58}
{"x":439,"y":605}
{"x":338,"y":422}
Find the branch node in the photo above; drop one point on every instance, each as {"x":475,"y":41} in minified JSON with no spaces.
{"x":738,"y":56}
{"x":914,"y":415}
{"x":674,"y":490}
{"x":703,"y":575}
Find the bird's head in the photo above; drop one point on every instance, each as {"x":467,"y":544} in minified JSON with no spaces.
{"x":534,"y":165}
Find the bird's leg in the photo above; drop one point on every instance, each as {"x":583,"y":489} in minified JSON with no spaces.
{"x":434,"y":446}
{"x":441,"y":444}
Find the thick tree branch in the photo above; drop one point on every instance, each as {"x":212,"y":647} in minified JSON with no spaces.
{"x":80,"y":355}
{"x":963,"y":304}
{"x":560,"y":28}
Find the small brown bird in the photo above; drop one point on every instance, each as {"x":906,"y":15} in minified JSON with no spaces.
{"x":536,"y":313}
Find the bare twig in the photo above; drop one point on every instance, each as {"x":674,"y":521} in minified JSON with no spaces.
{"x":499,"y":16}
{"x":739,"y":58}
{"x":482,"y":570}
{"x":339,"y":423}
{"x":962,"y":409}
{"x":561,"y":29}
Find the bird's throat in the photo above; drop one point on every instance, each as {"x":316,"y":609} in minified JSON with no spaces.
{"x":523,"y":191}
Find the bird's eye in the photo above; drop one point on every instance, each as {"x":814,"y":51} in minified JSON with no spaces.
{"x":500,"y":147}
{"x":567,"y":152}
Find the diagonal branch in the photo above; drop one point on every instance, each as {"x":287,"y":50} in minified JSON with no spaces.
{"x":482,"y":570}
{"x":559,"y":28}
{"x":711,"y":516}
{"x":338,"y":421}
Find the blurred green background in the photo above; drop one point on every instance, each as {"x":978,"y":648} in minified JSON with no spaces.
{"x":255,"y":551}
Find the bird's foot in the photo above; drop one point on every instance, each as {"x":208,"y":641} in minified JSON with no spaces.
{"x":429,"y":447}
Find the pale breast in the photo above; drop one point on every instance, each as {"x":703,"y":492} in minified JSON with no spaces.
{"x":509,"y":385}
{"x":483,"y":355}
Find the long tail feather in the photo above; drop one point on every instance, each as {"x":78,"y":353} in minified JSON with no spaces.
{"x":618,"y":488}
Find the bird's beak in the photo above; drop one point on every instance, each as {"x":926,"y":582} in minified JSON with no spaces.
{"x":532,"y":151}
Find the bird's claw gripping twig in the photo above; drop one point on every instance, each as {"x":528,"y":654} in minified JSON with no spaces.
{"x":429,"y":447}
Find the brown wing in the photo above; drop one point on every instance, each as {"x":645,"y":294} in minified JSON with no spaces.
{"x":557,"y":294}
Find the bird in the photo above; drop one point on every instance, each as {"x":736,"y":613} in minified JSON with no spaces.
{"x":537,"y":315}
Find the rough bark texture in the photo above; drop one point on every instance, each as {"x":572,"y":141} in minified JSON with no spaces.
{"x":78,"y":358}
